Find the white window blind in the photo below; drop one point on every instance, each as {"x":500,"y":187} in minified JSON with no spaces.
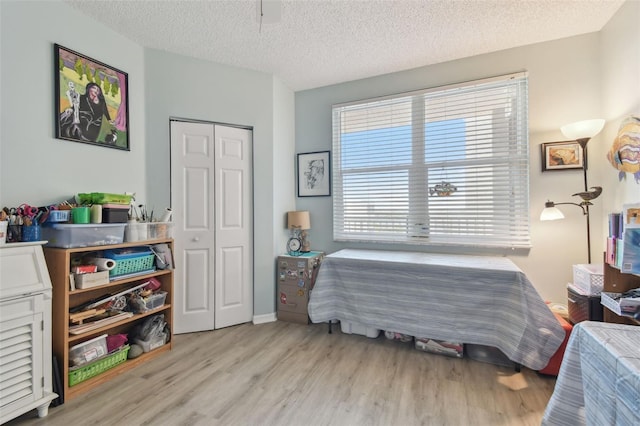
{"x":390,"y":153}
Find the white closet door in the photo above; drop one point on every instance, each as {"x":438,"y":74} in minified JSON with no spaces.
{"x":211,"y":195}
{"x":234,"y":227}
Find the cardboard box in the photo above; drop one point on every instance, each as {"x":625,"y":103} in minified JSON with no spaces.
{"x":292,"y":298}
{"x":89,"y":280}
{"x":293,"y":317}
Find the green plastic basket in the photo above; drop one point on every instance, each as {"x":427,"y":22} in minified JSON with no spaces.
{"x":97,"y":367}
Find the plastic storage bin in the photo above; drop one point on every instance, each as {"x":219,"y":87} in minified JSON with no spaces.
{"x":348,"y":327}
{"x":156,"y":300}
{"x":136,"y":231}
{"x":553,"y":367}
{"x":74,"y":235}
{"x":131,"y":260}
{"x":160,"y":230}
{"x":88,"y":371}
{"x":440,"y":347}
{"x":583,"y":307}
{"x":138,"y":304}
{"x":620,"y":305}
{"x":88,"y":351}
{"x":589,"y":278}
{"x":153,"y":342}
{"x":488,"y":354}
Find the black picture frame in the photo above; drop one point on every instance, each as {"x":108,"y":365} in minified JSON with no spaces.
{"x":314,"y":174}
{"x":563,"y":155}
{"x":91,"y":100}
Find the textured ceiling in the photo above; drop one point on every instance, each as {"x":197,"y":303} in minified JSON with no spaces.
{"x":320,"y":42}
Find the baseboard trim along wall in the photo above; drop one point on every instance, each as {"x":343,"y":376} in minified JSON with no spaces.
{"x":262,"y":319}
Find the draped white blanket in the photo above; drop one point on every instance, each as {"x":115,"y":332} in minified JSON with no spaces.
{"x":599,"y":380}
{"x":466,"y":299}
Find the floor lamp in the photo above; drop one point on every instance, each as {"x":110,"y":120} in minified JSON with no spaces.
{"x":581,"y":132}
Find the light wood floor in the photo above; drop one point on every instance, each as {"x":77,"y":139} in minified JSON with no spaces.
{"x":288,"y":374}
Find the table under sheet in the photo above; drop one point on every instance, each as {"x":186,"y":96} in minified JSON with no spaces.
{"x":467,"y":299}
{"x":599,"y":380}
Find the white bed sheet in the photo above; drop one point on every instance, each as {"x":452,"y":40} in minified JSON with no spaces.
{"x":468,"y":299}
{"x":599,"y":380}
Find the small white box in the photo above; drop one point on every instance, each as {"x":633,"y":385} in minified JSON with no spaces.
{"x":589,"y":278}
{"x":93,"y":279}
{"x":348,"y":327}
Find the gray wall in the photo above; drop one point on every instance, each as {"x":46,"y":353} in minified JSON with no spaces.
{"x":35,"y":167}
{"x":594,"y":75}
{"x":566,"y":82}
{"x":183,"y":87}
{"x":38,"y":169}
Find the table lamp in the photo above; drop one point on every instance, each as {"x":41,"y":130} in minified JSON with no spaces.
{"x":299,"y":222}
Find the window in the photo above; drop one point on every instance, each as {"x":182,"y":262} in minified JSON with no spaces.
{"x":448,"y":165}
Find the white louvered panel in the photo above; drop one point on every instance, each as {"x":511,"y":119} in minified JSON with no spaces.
{"x":17,"y":338}
{"x":25,"y":331}
{"x":15,"y":369}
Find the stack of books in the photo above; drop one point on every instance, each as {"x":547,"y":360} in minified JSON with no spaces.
{"x":623,"y":243}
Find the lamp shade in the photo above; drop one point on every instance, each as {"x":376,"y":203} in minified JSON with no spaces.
{"x":582,"y":129}
{"x":298,"y":219}
{"x":551,"y":213}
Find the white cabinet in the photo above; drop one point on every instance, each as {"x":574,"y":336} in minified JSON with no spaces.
{"x":25,"y":331}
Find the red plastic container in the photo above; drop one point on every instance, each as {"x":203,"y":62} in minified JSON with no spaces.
{"x":553,"y":367}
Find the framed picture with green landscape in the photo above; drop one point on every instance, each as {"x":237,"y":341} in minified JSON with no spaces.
{"x":91,"y":100}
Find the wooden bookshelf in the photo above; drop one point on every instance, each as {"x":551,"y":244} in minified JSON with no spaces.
{"x":59,"y":262}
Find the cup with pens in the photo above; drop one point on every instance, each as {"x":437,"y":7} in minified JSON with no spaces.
{"x":22,"y":223}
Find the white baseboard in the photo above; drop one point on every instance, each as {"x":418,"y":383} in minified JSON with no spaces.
{"x":262,"y":319}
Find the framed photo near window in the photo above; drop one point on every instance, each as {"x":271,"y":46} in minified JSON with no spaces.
{"x":91,"y":100}
{"x":563,"y":155}
{"x":314,"y":174}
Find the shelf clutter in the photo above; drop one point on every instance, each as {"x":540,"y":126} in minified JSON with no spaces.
{"x":621,"y":291}
{"x":87,"y":219}
{"x":112,"y":301}
{"x":623,"y":242}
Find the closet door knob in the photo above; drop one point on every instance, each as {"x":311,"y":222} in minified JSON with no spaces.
{"x":196,"y":239}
